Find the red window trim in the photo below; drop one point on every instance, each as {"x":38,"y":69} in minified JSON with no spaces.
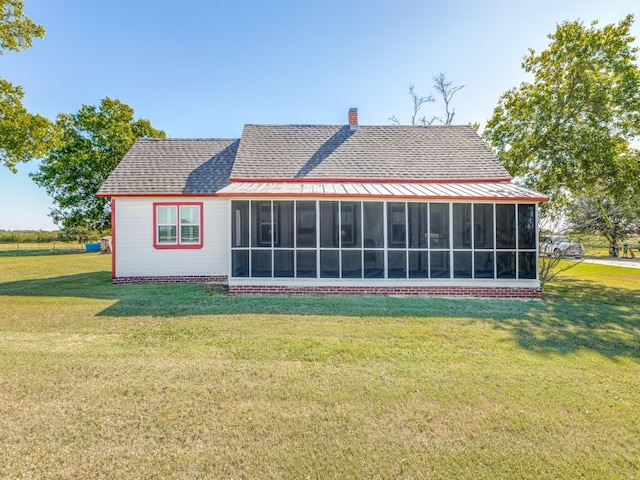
{"x":177,"y":245}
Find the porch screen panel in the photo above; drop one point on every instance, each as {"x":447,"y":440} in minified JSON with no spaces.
{"x":527,"y":264}
{"x":461,"y":225}
{"x":283,"y":224}
{"x":306,"y":224}
{"x":418,"y":264}
{"x":483,"y":226}
{"x":483,"y":264}
{"x":418,"y":222}
{"x":239,"y":223}
{"x":372,"y":224}
{"x":439,"y":265}
{"x":396,"y":225}
{"x":439,"y":230}
{"x":261,"y":224}
{"x":526,"y":226}
{"x":462,"y":267}
{"x":506,"y":264}
{"x":350,"y":225}
{"x":505,"y":226}
{"x":261,"y":263}
{"x":306,"y":265}
{"x":329,"y":229}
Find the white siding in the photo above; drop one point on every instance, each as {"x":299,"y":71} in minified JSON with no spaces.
{"x":136,"y":256}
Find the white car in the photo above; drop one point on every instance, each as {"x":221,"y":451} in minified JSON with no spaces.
{"x":561,"y":246}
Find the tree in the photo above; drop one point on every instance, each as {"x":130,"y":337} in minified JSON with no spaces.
{"x":23,"y":136}
{"x":94,"y":140}
{"x":602,"y":215}
{"x":444,"y":89}
{"x":572,"y":129}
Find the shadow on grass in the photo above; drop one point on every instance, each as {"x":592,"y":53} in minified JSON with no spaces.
{"x":577,"y":314}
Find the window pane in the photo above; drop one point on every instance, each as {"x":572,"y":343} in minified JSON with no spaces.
{"x":397,"y":267}
{"x":189,"y":234}
{"x":440,"y":266}
{"x":350,"y":224}
{"x":462,"y":264}
{"x":329,"y":263}
{"x":261,"y":223}
{"x":506,"y":264}
{"x":505,"y":226}
{"x":167,"y":234}
{"x":483,"y":264}
{"x":329,"y":230}
{"x":483,"y":226}
{"x":189,"y":215}
{"x":396,"y":225}
{"x":283,"y":224}
{"x":261,"y":263}
{"x":166,"y":215}
{"x":240,"y":263}
{"x":527,"y":264}
{"x":306,"y":266}
{"x":306,"y":224}
{"x":372,"y":224}
{"x":526,"y":226}
{"x":351,"y":264}
{"x":240,"y":224}
{"x":374,"y":263}
{"x":417,"y":225}
{"x":462,"y":225}
{"x":439,"y":225}
{"x":283,"y":263}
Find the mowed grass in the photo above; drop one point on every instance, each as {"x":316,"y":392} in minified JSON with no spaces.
{"x":185,"y":381}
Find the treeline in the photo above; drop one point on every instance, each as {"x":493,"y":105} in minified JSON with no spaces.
{"x":79,"y":235}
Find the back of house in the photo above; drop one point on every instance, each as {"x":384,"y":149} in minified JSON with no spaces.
{"x":331,"y":209}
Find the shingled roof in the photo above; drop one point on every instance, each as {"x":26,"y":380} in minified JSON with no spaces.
{"x":304,"y":154}
{"x":170,"y":166}
{"x":387,"y":153}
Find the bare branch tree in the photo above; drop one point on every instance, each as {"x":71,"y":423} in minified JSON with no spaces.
{"x":444,"y":89}
{"x":418,"y":101}
{"x":447,"y":90}
{"x":549,"y":266}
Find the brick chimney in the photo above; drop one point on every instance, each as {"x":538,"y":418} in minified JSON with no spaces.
{"x":353,"y":118}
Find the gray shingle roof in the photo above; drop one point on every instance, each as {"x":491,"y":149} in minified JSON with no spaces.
{"x":371,"y":152}
{"x":304,"y":152}
{"x":173,"y":166}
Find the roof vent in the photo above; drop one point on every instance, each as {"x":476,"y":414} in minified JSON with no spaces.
{"x":353,"y":118}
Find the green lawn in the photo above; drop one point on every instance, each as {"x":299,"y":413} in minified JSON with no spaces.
{"x":184,"y":381}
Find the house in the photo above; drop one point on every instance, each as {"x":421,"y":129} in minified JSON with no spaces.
{"x":326,"y":209}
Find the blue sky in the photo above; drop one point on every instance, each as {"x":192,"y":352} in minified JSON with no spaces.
{"x":199,"y":68}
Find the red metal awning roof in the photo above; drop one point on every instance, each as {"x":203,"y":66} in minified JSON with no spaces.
{"x":495,"y":191}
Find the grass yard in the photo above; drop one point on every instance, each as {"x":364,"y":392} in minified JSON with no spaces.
{"x":184,"y":381}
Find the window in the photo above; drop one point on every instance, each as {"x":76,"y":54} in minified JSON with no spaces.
{"x":177,"y":225}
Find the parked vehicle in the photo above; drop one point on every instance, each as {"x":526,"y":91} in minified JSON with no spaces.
{"x":561,"y":246}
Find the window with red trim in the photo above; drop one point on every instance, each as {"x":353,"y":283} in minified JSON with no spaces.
{"x":177,"y":225}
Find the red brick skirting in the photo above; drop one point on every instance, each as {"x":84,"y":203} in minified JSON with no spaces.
{"x":527,"y":293}
{"x":179,"y":279}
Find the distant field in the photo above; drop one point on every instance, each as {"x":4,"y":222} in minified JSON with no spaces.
{"x":109,"y":381}
{"x":45,"y":248}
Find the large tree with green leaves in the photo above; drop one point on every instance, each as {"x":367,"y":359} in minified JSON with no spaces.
{"x":602,"y":215}
{"x":94,"y":140}
{"x":572,"y":129}
{"x":23,"y":136}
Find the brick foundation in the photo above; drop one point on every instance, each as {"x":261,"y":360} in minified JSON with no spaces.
{"x":177,"y":279}
{"x":524,"y":293}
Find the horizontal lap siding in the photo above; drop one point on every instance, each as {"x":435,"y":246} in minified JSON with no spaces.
{"x":136,"y":256}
